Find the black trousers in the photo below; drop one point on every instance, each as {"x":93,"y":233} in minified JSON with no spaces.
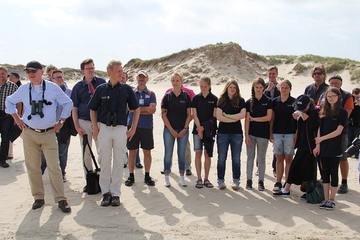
{"x":330,"y":168}
{"x":5,"y":125}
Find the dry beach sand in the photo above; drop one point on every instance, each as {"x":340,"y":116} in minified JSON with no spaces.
{"x":176,"y":212}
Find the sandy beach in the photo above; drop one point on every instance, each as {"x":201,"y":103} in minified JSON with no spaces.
{"x":177,"y":212}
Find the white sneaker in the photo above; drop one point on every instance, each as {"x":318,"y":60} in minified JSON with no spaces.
{"x":182,"y":183}
{"x":167,"y":181}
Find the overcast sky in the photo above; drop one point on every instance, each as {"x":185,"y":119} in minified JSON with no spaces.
{"x":66,"y":32}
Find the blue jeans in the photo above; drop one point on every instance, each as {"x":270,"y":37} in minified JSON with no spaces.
{"x":169,"y":147}
{"x":63,"y":155}
{"x":223,"y":142}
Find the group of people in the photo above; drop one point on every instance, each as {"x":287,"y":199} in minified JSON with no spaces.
{"x":120,"y":118}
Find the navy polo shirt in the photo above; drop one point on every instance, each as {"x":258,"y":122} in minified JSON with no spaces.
{"x":311,"y":91}
{"x":112,"y":99}
{"x":204,"y":107}
{"x":259,"y":129}
{"x":333,"y":146}
{"x":283,"y":114}
{"x":176,"y":108}
{"x":80,"y":96}
{"x":144,"y":99}
{"x":234,"y":127}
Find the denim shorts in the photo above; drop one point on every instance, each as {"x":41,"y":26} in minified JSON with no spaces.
{"x":284,"y":144}
{"x":198,"y":144}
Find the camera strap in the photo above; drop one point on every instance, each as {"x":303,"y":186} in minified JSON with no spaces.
{"x":44,"y":101}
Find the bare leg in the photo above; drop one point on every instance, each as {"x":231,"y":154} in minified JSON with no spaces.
{"x":344,"y":168}
{"x":333,"y":193}
{"x":147,"y":160}
{"x":131,"y":160}
{"x":198,"y":164}
{"x":326,"y":190}
{"x":207,"y":165}
{"x":288,"y":161}
{"x":279,"y":167}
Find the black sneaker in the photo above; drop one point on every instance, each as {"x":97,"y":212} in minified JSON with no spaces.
{"x":115,"y":201}
{"x":277,"y":187}
{"x":249,"y":184}
{"x":125,"y":165}
{"x":139,"y":165}
{"x":149,"y":181}
{"x":188,"y":172}
{"x":282,"y":194}
{"x":343,"y":188}
{"x":129,"y":182}
{"x":106,"y":200}
{"x":163,"y":171}
{"x":323,"y":204}
{"x":303,"y":197}
{"x":330,"y":205}
{"x":261,"y":186}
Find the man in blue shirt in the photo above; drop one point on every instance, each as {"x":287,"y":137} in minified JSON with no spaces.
{"x":81,"y":94}
{"x":144,"y":131}
{"x":108,"y":109}
{"x":39,"y":124}
{"x":315,"y":90}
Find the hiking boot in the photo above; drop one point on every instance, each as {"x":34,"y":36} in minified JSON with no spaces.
{"x":249,"y":184}
{"x":115,"y":201}
{"x":277,"y":187}
{"x":261,"y":186}
{"x":149,"y":181}
{"x":106,"y":200}
{"x":343,"y":188}
{"x":129,"y":182}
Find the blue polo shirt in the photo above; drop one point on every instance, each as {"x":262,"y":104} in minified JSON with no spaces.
{"x":311,"y":91}
{"x":80,"y":96}
{"x":259,"y":129}
{"x":283,"y":114}
{"x":144,"y":99}
{"x":113,"y":99}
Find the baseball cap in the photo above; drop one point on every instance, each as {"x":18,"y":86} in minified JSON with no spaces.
{"x":35,"y":65}
{"x":301,"y":102}
{"x":142,"y":72}
{"x":14,"y":74}
{"x":335,"y":77}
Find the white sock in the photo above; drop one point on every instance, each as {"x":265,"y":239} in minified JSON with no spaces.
{"x":284,"y":191}
{"x":167,"y":181}
{"x":182,"y":180}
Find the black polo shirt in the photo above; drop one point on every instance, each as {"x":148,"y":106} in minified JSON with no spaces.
{"x":311,"y":91}
{"x":259,"y":129}
{"x":113,"y":99}
{"x":332,"y":147}
{"x":233,"y":127}
{"x":283,"y":114}
{"x":354,"y":119}
{"x":204,"y":107}
{"x":176,"y":108}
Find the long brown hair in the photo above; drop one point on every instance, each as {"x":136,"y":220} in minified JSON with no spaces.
{"x":256,"y":81}
{"x":237,"y":96}
{"x":326,"y":110}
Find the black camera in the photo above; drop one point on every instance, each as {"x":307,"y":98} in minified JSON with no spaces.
{"x":354,"y":148}
{"x":37,"y":108}
{"x":111,"y":119}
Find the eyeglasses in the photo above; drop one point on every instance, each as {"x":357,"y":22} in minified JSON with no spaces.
{"x":60,"y":77}
{"x":331,"y":96}
{"x":30,"y":71}
{"x":90,"y":68}
{"x":318,"y":73}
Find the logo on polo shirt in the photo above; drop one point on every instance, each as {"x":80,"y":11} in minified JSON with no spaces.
{"x":212,"y":102}
{"x":182,"y":101}
{"x":264,"y":104}
{"x":147,"y":96}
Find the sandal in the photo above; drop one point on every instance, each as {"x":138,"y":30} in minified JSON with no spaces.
{"x":208,"y":184}
{"x":199,"y":184}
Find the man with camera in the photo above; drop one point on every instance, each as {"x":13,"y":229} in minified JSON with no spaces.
{"x":354,"y":119}
{"x":80,"y":95}
{"x":108,"y":109}
{"x":39,"y":124}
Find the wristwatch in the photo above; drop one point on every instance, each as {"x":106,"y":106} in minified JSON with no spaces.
{"x":61,"y":121}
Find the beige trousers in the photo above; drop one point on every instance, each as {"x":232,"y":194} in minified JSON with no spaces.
{"x":34,"y":142}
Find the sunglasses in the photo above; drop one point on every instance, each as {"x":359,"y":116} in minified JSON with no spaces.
{"x":318,"y":73}
{"x":30,"y":71}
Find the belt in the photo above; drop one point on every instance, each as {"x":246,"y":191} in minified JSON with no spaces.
{"x":41,"y":130}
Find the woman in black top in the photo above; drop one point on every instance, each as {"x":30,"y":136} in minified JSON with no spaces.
{"x":230,"y":109}
{"x":203,"y":109}
{"x":176,"y":114}
{"x":329,"y":143}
